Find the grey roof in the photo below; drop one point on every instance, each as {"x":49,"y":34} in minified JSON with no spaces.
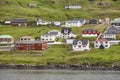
{"x":53,"y":33}
{"x":28,"y":42}
{"x":109,"y":33}
{"x":66,"y":29}
{"x":84,"y":42}
{"x":89,"y":29}
{"x":112,"y":30}
{"x":81,"y":20}
{"x":48,"y":34}
{"x":19,"y":20}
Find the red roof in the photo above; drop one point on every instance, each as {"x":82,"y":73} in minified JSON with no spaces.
{"x":102,"y":40}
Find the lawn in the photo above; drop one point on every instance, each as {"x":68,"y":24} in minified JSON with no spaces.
{"x":62,"y":54}
{"x":57,"y":54}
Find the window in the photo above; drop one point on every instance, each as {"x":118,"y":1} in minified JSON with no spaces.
{"x":85,"y":31}
{"x":29,"y":44}
{"x":74,"y":46}
{"x":96,"y":45}
{"x":96,"y":42}
{"x":89,"y":31}
{"x":106,"y":42}
{"x":84,"y":46}
{"x":106,"y":45}
{"x":79,"y":46}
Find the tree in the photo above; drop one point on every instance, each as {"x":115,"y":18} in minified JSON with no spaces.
{"x":102,"y":47}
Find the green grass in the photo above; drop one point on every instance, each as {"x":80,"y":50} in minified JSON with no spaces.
{"x":62,"y":54}
{"x":54,"y":9}
{"x":57,"y":54}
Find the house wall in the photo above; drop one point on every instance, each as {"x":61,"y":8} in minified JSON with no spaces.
{"x":89,"y":35}
{"x":43,"y":23}
{"x":116,"y":24}
{"x":6,"y":40}
{"x":109,"y":36}
{"x":48,"y":38}
{"x":36,"y":46}
{"x":69,"y":41}
{"x":97,"y":44}
{"x":73,"y":24}
{"x":80,"y":47}
{"x":27,"y":39}
{"x":19,"y":24}
{"x":67,"y":35}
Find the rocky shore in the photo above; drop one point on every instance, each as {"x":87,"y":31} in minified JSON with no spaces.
{"x":67,"y":67}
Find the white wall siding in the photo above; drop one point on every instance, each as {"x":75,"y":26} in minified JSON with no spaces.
{"x":89,"y":35}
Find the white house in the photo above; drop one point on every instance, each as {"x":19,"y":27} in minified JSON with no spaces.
{"x":27,"y":38}
{"x":80,"y":45}
{"x":75,"y":23}
{"x":32,"y":5}
{"x":102,"y":43}
{"x":48,"y":38}
{"x":116,"y":22}
{"x":73,"y":7}
{"x":67,"y":33}
{"x":57,"y":23}
{"x":69,"y":41}
{"x":111,"y":32}
{"x":90,"y":32}
{"x":42,"y":22}
{"x":7,"y":22}
{"x":6,"y":39}
{"x":109,"y":36}
{"x":51,"y":36}
{"x":56,"y":33}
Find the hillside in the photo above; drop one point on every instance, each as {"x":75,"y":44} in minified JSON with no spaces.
{"x":54,"y":9}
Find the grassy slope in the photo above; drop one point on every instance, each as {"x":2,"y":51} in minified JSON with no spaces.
{"x":54,"y":9}
{"x":62,"y":54}
{"x":57,"y":54}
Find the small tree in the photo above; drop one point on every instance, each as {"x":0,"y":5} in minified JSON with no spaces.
{"x":102,"y":47}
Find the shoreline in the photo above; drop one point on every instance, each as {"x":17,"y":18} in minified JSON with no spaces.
{"x":58,"y":67}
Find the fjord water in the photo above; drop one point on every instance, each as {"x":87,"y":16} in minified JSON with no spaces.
{"x":8,"y":74}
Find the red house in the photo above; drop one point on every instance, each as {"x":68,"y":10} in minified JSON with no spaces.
{"x":30,"y":45}
{"x":90,"y":33}
{"x":19,"y":22}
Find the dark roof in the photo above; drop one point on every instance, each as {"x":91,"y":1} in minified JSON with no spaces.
{"x":66,"y":29}
{"x":112,"y":30}
{"x":28,"y":42}
{"x":19,"y":20}
{"x":112,"y":27}
{"x":89,"y":29}
{"x":84,"y":42}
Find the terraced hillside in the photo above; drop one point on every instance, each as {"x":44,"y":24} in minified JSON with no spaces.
{"x":54,"y":9}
